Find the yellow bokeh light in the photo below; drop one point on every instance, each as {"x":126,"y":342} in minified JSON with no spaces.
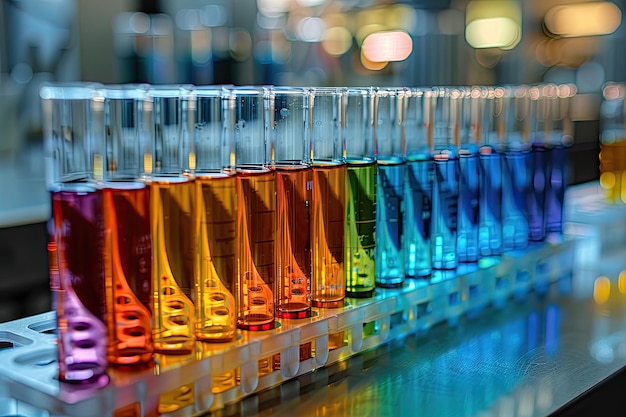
{"x":365,"y":31}
{"x":621,"y":282}
{"x":387,"y":46}
{"x":607,"y":180}
{"x":493,"y":32}
{"x":370,"y":65}
{"x":601,"y":290}
{"x":583,"y":19}
{"x":337,"y":41}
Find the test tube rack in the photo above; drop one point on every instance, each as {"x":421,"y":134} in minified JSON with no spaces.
{"x":28,"y":367}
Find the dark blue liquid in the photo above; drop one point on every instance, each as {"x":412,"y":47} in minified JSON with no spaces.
{"x":516,"y":176}
{"x":417,"y":217}
{"x":490,"y":208}
{"x":444,"y":216}
{"x":555,"y":195}
{"x":537,"y":197}
{"x":467,"y":233}
{"x":389,"y":263}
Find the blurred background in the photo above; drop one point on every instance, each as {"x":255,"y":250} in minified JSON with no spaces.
{"x":280,"y":42}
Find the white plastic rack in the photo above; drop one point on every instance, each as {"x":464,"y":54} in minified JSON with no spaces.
{"x":219,"y":374}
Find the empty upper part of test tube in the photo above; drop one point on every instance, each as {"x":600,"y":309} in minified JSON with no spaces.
{"x":213,"y":143}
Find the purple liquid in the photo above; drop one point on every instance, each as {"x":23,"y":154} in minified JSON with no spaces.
{"x":78,"y":229}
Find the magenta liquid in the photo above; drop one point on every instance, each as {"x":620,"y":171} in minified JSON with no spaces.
{"x":78,"y":230}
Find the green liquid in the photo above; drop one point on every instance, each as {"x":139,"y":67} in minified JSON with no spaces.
{"x":360,"y":230}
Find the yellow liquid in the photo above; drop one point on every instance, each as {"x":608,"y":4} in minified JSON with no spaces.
{"x":293,"y":241}
{"x":256,"y":225}
{"x":329,"y":188}
{"x":613,"y":170}
{"x":127,"y":257}
{"x":172,"y":263}
{"x":216,"y":228}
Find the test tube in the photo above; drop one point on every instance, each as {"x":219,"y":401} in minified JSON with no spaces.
{"x":390,"y":143}
{"x":541,"y":154}
{"x":559,"y":135}
{"x":215,"y":216}
{"x":128,"y":245}
{"x":446,"y":130}
{"x":613,"y":142}
{"x":294,"y":190}
{"x":490,"y":173}
{"x":510,"y":126}
{"x":329,"y":188}
{"x":73,"y":119}
{"x":418,"y":189}
{"x":256,"y":207}
{"x":172,"y":224}
{"x":360,"y":244}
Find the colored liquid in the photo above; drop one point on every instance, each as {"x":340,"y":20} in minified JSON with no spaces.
{"x":389,"y":224}
{"x":360,"y":229}
{"x":294,"y":186}
{"x":613,"y":170}
{"x":329,"y":188}
{"x":418,"y":205}
{"x":256,"y":225}
{"x":537,"y":197}
{"x":444,"y":216}
{"x":216,"y":254}
{"x":78,"y":232}
{"x":128,"y":272}
{"x":555,"y":194}
{"x":467,"y":227}
{"x":173,"y":255}
{"x":516,"y":169}
{"x":490,"y":207}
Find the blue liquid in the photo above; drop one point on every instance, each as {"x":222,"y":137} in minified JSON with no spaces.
{"x":389,"y":262}
{"x":444,"y":216}
{"x":418,"y":207}
{"x":555,"y":195}
{"x":467,"y":233}
{"x":516,"y":177}
{"x":490,"y":211}
{"x":537,"y":197}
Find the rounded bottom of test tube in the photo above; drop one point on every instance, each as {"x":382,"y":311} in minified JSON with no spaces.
{"x":360,"y":294}
{"x":287,"y":314}
{"x":390,"y":284}
{"x":174,"y":347}
{"x":254,"y":327}
{"x":328,"y":304}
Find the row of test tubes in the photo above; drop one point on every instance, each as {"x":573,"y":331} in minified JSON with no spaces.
{"x":183,"y":213}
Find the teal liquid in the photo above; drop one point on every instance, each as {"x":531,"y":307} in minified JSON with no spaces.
{"x":444,"y":217}
{"x":490,"y":211}
{"x":417,"y":217}
{"x":467,"y":232}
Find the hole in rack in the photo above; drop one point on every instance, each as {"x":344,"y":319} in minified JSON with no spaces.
{"x":454,"y":299}
{"x":45,"y":327}
{"x":473,"y":292}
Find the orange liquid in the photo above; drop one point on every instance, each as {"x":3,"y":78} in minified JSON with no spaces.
{"x":173,"y":263}
{"x":216,"y":225}
{"x":293,"y":242}
{"x":613,"y":170}
{"x":256,"y":225}
{"x":329,"y":187}
{"x":128,"y":273}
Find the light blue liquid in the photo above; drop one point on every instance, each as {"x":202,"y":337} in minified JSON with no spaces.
{"x":490,"y":206}
{"x":417,"y":215}
{"x":389,"y":223}
{"x":555,"y":195}
{"x":467,"y":233}
{"x":444,"y":216}
{"x":515,"y":189}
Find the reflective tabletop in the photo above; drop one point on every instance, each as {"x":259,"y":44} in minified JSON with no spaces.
{"x":527,"y":359}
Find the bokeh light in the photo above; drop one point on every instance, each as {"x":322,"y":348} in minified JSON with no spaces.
{"x":337,"y":41}
{"x":583,"y":19}
{"x":601,"y":290}
{"x":387,"y":46}
{"x":493,"y":24}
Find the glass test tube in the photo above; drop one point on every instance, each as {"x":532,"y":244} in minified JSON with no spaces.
{"x":613,"y":142}
{"x":559,"y":135}
{"x":390,"y":143}
{"x":128,"y":245}
{"x":490,"y":173}
{"x":418,"y":188}
{"x":541,"y":154}
{"x":329,"y":188}
{"x":512,"y":113}
{"x":288,"y":110}
{"x":360,"y":243}
{"x":73,"y":117}
{"x":467,"y":232}
{"x":172,"y":231}
{"x":445,"y":133}
{"x":256,"y":208}
{"x":215,"y":216}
